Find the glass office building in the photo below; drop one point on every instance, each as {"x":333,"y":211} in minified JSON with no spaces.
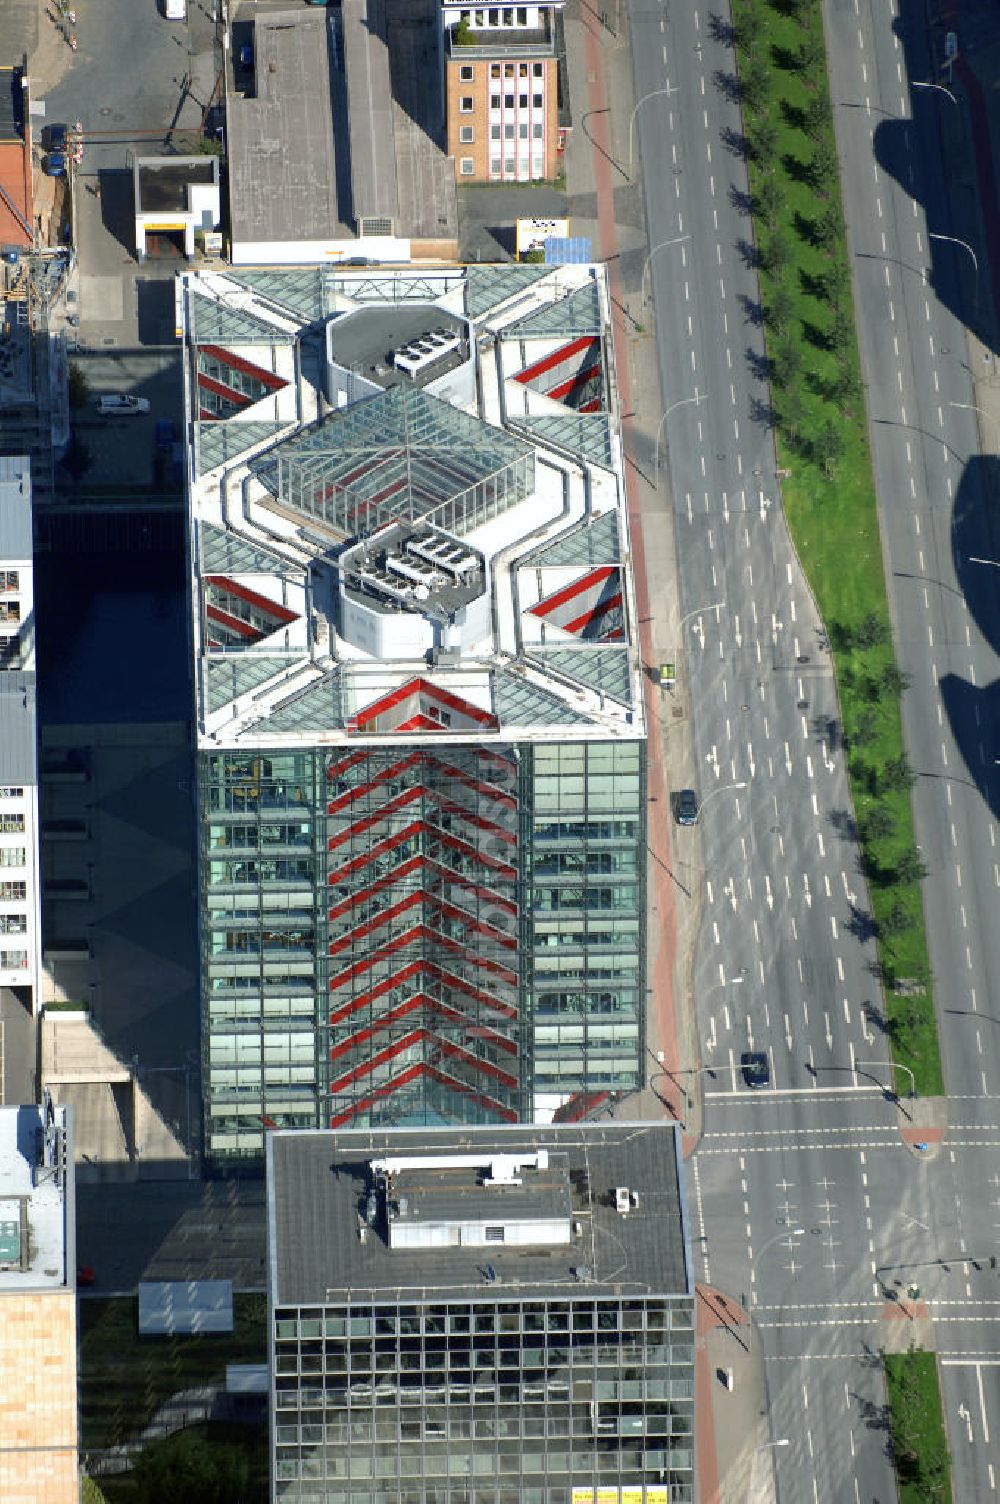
{"x":480,"y":1317}
{"x":421,"y":745}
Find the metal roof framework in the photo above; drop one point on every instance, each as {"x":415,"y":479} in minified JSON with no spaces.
{"x":402,"y":456}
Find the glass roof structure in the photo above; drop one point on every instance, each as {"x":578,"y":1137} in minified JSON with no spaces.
{"x":576,"y":312}
{"x":226,"y":553}
{"x":489,"y":286}
{"x":318,"y":708}
{"x":588,"y":434}
{"x":401,"y":456}
{"x":299,"y":293}
{"x":597,"y":544}
{"x":231,"y":675}
{"x":218,"y":443}
{"x":518,"y":702}
{"x":214,"y":322}
{"x":600,"y":668}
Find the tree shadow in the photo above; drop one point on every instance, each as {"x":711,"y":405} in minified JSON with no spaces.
{"x":785,"y":58}
{"x":793,"y":115}
{"x":805,"y":229}
{"x":741,"y":201}
{"x":861,"y":925}
{"x":728,"y":85}
{"x":753,"y":311}
{"x":761,"y":368}
{"x":762,"y":412}
{"x":749,"y":254}
{"x":799,"y":170}
{"x":734,"y":141}
{"x":844,"y":825}
{"x":720,"y":29}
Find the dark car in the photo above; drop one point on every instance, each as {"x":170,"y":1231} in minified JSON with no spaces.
{"x":54,"y":165}
{"x":54,"y":137}
{"x":755,"y":1068}
{"x":686,"y":807}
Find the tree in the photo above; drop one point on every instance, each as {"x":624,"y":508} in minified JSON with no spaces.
{"x":892,"y":682}
{"x":829,"y":227}
{"x":822,"y":170}
{"x":754,"y":81}
{"x":812,"y":55}
{"x":871,"y":632}
{"x":897,"y":921}
{"x":775,"y":250}
{"x":865,"y":730}
{"x":897,"y":775}
{"x":816,"y":116}
{"x":827,"y":446}
{"x":878,"y":824}
{"x":762,"y":139}
{"x":77,"y":384}
{"x":188,"y":1466}
{"x":744,"y":29}
{"x":791,"y":411}
{"x":910,"y":867}
{"x":786,"y":362}
{"x":840,"y":335}
{"x":779,"y":308}
{"x":768,"y":201}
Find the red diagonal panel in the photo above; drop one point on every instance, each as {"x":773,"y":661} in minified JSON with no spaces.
{"x":412,"y":1074}
{"x":423,"y":1000}
{"x":392,"y":771}
{"x":420,"y":968}
{"x":422,"y":932}
{"x":568,"y":592}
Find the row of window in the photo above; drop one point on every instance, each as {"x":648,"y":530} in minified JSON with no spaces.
{"x":508,"y":167}
{"x":503,"y":15}
{"x":467,"y":72}
{"x":466,"y":102}
{"x":7,"y":792}
{"x":13,"y":960}
{"x":467,"y":133}
{"x":13,"y":856}
{"x":9,"y":580}
{"x":10,"y":611}
{"x":14,"y":892}
{"x":13,"y":924}
{"x":12,"y":825}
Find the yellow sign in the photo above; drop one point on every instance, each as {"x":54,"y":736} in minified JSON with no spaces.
{"x":655,"y":1494}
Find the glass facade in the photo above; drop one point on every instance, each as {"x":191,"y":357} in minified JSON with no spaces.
{"x":586,"y":937}
{"x":510,"y":1402}
{"x":261,"y":931}
{"x":449,"y":934}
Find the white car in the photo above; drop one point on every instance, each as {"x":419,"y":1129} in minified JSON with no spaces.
{"x":175,"y":10}
{"x":116,"y":405}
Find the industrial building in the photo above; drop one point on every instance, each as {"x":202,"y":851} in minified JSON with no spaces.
{"x":38,"y":1418}
{"x":420,"y":734}
{"x":480,"y":1316}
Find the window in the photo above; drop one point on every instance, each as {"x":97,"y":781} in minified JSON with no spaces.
{"x":12,"y":825}
{"x":537,"y":69}
{"x":523,"y":101}
{"x":522,"y":71}
{"x":494,"y":101}
{"x":494,"y":173}
{"x":522,"y":15}
{"x":468,"y":167}
{"x":13,"y":960}
{"x":538,"y":131}
{"x":508,"y":167}
{"x":538,"y":167}
{"x":11,"y":793}
{"x":522,"y":131}
{"x":13,"y":924}
{"x":18,"y":892}
{"x":536,"y":100}
{"x":480,"y":18}
{"x":494,"y":70}
{"x":508,"y":101}
{"x":466,"y":134}
{"x":466,"y":16}
{"x":12,"y":856}
{"x":494,"y":1234}
{"x":494,"y":18}
{"x":465,"y":104}
{"x":508,"y":15}
{"x":494,"y":133}
{"x":508,"y":133}
{"x":8,"y":579}
{"x":508,"y":70}
{"x":465,"y":73}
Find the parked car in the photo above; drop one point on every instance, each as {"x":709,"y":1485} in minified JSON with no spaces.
{"x":117,"y":405}
{"x":54,"y":138}
{"x":54,"y":165}
{"x":755,"y":1067}
{"x":686,"y":807}
{"x":175,"y":10}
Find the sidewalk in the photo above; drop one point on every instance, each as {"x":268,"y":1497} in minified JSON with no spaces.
{"x":607,"y":207}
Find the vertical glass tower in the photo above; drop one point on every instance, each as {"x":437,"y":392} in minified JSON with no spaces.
{"x":419,"y":705}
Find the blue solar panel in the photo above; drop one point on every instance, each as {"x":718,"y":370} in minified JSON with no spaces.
{"x":566,"y":250}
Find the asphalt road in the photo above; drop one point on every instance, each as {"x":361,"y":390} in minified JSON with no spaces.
{"x":785,"y":958}
{"x":936,"y":510}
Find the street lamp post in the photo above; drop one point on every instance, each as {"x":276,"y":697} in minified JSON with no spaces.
{"x":688,"y":615}
{"x":975,"y":559}
{"x":675,"y":240}
{"x":631,"y":125}
{"x":698,"y":398}
{"x":726,"y":788}
{"x":783,"y":1441}
{"x":972,"y":408}
{"x":939,"y":88}
{"x":893,"y":1065}
{"x":955,"y":240}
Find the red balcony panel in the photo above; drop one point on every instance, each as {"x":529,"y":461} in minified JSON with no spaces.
{"x":234,"y":623}
{"x":264,"y":603}
{"x":238,"y":363}
{"x":362,"y":895}
{"x":382,"y":1057}
{"x":399,"y":801}
{"x":384,"y":916}
{"x":580,"y":379}
{"x":381,"y":848}
{"x":569,"y":592}
{"x":393,"y":771}
{"x":440,"y":1010}
{"x":364,"y":999}
{"x":557,"y":358}
{"x":599,"y":609}
{"x":337,"y":1120}
{"x":486,"y":1067}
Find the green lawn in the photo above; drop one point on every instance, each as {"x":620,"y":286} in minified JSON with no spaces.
{"x":916,"y":1428}
{"x":828,"y":495}
{"x":124,"y":1378}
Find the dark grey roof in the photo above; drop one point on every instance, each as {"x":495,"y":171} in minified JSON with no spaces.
{"x":15,"y":507}
{"x":282,"y":161}
{"x":18,"y":733}
{"x":317,"y":1184}
{"x":374,"y":190}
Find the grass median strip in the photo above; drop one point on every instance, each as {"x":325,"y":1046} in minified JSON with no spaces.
{"x":811,"y":390}
{"x":916,"y":1428}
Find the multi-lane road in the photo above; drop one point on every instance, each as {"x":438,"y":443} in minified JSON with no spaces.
{"x":810,"y":1204}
